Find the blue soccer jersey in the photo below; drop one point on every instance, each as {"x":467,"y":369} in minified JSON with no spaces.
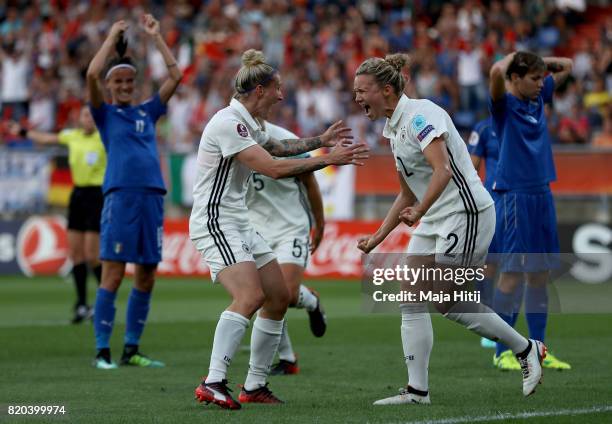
{"x":525,"y":152}
{"x":484,"y":144}
{"x":128,"y":134}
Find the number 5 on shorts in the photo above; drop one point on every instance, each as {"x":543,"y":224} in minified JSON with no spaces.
{"x":296,"y":245}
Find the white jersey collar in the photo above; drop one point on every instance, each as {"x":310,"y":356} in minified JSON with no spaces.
{"x":392,"y":123}
{"x":251,"y":122}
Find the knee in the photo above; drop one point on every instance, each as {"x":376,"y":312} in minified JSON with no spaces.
{"x":250,"y":302}
{"x":111,"y":279}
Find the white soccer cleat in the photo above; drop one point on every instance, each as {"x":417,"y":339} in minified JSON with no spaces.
{"x":531,"y":366}
{"x":405,"y":396}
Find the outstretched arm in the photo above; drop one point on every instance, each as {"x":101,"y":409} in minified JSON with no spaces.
{"x":36,"y":136}
{"x":167,"y":89}
{"x":560,"y":68}
{"x":96,"y":97}
{"x":256,"y":158}
{"x":336,"y":133}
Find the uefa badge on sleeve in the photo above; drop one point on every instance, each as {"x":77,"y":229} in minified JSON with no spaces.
{"x":242,"y":130}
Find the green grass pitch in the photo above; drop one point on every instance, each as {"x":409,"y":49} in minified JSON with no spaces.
{"x":45,"y":361}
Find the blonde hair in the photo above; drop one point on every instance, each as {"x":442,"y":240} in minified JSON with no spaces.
{"x":386,"y":71}
{"x":254,"y":71}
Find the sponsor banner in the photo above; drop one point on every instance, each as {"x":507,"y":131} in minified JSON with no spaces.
{"x":24,"y":181}
{"x":39,"y":246}
{"x":36,"y":246}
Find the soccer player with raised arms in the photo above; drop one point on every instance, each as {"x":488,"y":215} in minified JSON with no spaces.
{"x":441,"y":189}
{"x":233,"y":145}
{"x":519,"y":89}
{"x":133,"y":212}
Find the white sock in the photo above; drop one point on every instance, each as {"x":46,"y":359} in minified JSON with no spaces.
{"x":285,"y":350}
{"x":417,"y":341}
{"x":306,"y":299}
{"x":229,"y":333}
{"x":264,"y":343}
{"x":484,"y":322}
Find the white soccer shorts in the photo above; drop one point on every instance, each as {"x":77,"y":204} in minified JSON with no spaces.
{"x":227,"y":247}
{"x":460,"y":239}
{"x":292,"y":249}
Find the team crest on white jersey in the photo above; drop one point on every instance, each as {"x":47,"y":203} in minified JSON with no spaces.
{"x":246,"y":247}
{"x":403,"y":134}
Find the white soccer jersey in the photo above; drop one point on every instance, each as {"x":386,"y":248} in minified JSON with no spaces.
{"x":414,"y":124}
{"x":278,"y":209}
{"x":221,"y":184}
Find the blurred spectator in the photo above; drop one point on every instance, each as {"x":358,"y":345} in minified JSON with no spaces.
{"x":317,"y":47}
{"x":574,"y":128}
{"x":14,"y":94}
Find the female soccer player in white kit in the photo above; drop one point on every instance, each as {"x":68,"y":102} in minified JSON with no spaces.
{"x":232,"y":146}
{"x":280,"y":210}
{"x":439,"y":187}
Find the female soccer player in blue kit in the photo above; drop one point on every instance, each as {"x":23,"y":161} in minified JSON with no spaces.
{"x":132,"y":216}
{"x":525,"y":206}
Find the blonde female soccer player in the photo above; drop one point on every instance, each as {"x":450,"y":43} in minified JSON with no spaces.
{"x":439,"y":188}
{"x":232,"y":146}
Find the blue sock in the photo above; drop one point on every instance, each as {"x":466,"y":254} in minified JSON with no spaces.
{"x":486,"y":291}
{"x":104,"y":317}
{"x":536,"y":311}
{"x":137,"y":311}
{"x":503,"y":305}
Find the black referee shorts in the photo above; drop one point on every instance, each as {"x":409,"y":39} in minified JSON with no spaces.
{"x":85,"y":209}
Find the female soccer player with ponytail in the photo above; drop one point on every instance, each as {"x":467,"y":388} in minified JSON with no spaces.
{"x":132,"y":216}
{"x":439,"y":188}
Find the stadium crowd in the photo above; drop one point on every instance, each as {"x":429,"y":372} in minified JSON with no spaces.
{"x":47,"y":46}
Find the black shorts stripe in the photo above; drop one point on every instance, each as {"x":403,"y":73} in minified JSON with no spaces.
{"x":212,"y":210}
{"x":218,"y":203}
{"x":472,"y":212}
{"x":209,"y":211}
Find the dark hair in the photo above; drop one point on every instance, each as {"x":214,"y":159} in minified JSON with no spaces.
{"x":121,"y":59}
{"x":524,"y":62}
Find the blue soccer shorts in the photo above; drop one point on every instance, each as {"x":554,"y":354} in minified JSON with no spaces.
{"x":131,"y":229}
{"x":528,"y":238}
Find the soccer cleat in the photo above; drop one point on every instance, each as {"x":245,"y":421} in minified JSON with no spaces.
{"x":318,"y":320}
{"x":506,"y":361}
{"x":103,"y":364}
{"x":406,"y":395}
{"x":552,"y":362}
{"x":487,"y":343}
{"x":81,"y":313}
{"x":217,"y":393}
{"x":531,"y":366}
{"x":140,"y":360}
{"x":260,"y":395}
{"x":285,"y":368}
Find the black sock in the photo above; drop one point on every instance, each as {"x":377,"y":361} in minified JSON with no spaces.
{"x":79,"y":274}
{"x":524,"y":353}
{"x":129,"y":350}
{"x":104,"y":353}
{"x":97,"y":271}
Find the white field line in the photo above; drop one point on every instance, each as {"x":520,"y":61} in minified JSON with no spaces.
{"x":516,"y":416}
